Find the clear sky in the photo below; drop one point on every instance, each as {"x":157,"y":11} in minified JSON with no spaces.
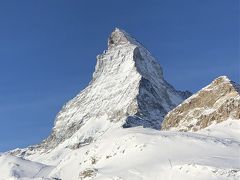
{"x":48,"y":50}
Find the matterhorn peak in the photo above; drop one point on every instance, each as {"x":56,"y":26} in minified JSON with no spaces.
{"x":127,"y":90}
{"x":120,"y":37}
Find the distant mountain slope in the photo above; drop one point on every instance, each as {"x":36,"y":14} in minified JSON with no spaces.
{"x":215,"y":103}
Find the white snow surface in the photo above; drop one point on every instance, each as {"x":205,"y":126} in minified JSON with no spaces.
{"x":12,"y":168}
{"x":139,"y":154}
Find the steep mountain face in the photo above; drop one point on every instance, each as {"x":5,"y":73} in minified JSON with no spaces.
{"x":215,"y":103}
{"x":127,"y":89}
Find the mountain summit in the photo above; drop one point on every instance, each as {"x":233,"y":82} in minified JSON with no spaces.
{"x":217,"y":102}
{"x":127,"y":89}
{"x":119,"y":37}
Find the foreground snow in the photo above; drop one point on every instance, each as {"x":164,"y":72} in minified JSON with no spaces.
{"x":12,"y":167}
{"x":139,"y":154}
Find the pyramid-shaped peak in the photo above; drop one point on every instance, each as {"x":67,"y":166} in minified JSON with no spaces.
{"x":120,"y":37}
{"x":127,"y":90}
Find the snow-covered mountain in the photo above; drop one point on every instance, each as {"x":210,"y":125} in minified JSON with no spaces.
{"x":111,"y":129}
{"x":217,"y":102}
{"x":127,"y":89}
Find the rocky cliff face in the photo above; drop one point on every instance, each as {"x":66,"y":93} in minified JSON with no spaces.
{"x":127,"y":89}
{"x":215,"y":103}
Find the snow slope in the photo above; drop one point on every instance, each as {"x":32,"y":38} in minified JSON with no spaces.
{"x":146,"y":154}
{"x":227,"y":129}
{"x":12,"y":167}
{"x":139,"y":153}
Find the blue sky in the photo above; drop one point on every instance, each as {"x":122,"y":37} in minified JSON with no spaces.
{"x":48,"y":50}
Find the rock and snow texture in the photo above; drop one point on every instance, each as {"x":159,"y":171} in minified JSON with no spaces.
{"x":146,"y":154}
{"x":127,"y":89}
{"x":140,"y":154}
{"x":90,"y":139}
{"x":217,"y":102}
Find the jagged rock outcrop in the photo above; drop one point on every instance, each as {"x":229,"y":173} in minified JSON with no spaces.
{"x":215,"y":103}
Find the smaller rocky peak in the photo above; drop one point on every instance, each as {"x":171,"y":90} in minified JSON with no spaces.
{"x":217,"y":102}
{"x":120,"y":37}
{"x":220,"y":80}
{"x":223,"y":83}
